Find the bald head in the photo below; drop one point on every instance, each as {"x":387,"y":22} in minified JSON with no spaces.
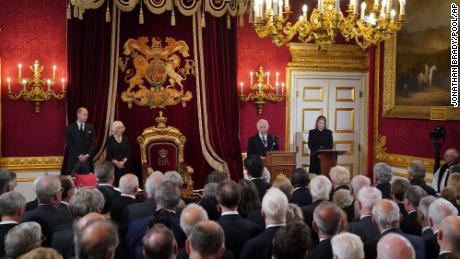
{"x":159,"y":243}
{"x":262,"y":126}
{"x":394,"y":246}
{"x":89,"y":219}
{"x":129,"y":184}
{"x":386,"y":214}
{"x":449,"y":234}
{"x":191,"y":215}
{"x":152,"y":183}
{"x":98,"y":239}
{"x":326,"y":219}
{"x":451,"y":155}
{"x":206,"y":240}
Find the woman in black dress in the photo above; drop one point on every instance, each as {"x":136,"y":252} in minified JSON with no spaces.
{"x":118,"y":150}
{"x":319,"y":138}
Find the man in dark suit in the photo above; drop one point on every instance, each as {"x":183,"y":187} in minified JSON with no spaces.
{"x":206,"y":240}
{"x":12,"y":207}
{"x":159,"y":242}
{"x":382,"y":178}
{"x":81,"y":143}
{"x":129,"y":185}
{"x":7,"y":181}
{"x":260,"y":143}
{"x":255,"y":168}
{"x":386,"y":214}
{"x":449,"y":237}
{"x":365,"y":228}
{"x":427,"y":231}
{"x":399,"y":187}
{"x":145,"y":208}
{"x":327,"y":219}
{"x":412,"y":198}
{"x":68,"y":189}
{"x":274,"y":209}
{"x":416,"y":174}
{"x":105,"y":178}
{"x":301,"y":194}
{"x":49,"y":192}
{"x":237,"y":230}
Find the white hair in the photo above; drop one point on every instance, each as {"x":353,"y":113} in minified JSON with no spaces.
{"x":424,"y":205}
{"x":382,"y":172}
{"x":339,"y":175}
{"x":191,"y":215}
{"x":395,"y":246}
{"x":46,"y":186}
{"x":342,"y":198}
{"x":264,"y":121}
{"x":359,"y":182}
{"x":320,"y":187}
{"x":369,"y":196}
{"x":128,"y":184}
{"x":115,"y":125}
{"x":439,"y":210}
{"x":174,"y":177}
{"x":152,"y":183}
{"x":387,"y":219}
{"x":347,"y":246}
{"x":275,"y":205}
{"x":417,"y":169}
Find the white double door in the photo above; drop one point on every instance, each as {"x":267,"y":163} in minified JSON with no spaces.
{"x":338,"y":97}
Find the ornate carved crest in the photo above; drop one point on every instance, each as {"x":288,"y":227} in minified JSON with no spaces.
{"x":157,"y":76}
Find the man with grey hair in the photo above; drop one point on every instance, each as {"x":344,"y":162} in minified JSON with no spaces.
{"x":98,"y":240}
{"x":386,"y":214}
{"x":105,"y":178}
{"x":449,"y":237}
{"x":347,"y":246}
{"x":274,"y":210}
{"x":382,"y":178}
{"x":416,"y":173}
{"x":174,"y":177}
{"x":48,"y":190}
{"x":412,"y":199}
{"x":7,"y":181}
{"x":320,"y":187}
{"x":129,"y":184}
{"x":440,"y":177}
{"x":206,"y":240}
{"x":22,"y":239}
{"x":365,"y":228}
{"x":422,"y":215}
{"x":144,"y":209}
{"x":12,"y":208}
{"x":437,"y":212}
{"x":327,"y":218}
{"x":83,"y":202}
{"x":358,"y":182}
{"x":262,"y":142}
{"x":209,"y":201}
{"x":394,"y":246}
{"x":159,"y":243}
{"x":340,"y":177}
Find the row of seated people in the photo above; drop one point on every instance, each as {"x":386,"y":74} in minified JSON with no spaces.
{"x":296,"y":218}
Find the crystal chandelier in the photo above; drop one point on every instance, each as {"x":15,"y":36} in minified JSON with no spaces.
{"x":326,"y":20}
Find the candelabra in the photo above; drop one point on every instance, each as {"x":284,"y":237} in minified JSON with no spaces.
{"x":326,"y":20}
{"x":36,"y":94}
{"x":262,"y":90}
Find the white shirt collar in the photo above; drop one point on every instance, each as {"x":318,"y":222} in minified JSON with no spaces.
{"x":412,"y":211}
{"x":8,"y":222}
{"x":260,"y":135}
{"x":445,"y":252}
{"x":80,"y":124}
{"x":425,"y":228}
{"x":234,"y":212}
{"x":66,"y":203}
{"x":324,"y":238}
{"x":365,"y":216}
{"x":127,"y":195}
{"x":104,"y":184}
{"x":275,"y":225}
{"x":296,"y":188}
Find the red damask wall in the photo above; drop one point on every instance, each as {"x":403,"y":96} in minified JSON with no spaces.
{"x":32,"y":30}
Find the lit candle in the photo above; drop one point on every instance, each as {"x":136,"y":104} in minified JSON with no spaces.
{"x":382,"y":9}
{"x":19,"y":68}
{"x":286,"y":3}
{"x":376,"y":4}
{"x":393,"y":14}
{"x":282,"y":88}
{"x":54,"y":72}
{"x":49,"y":84}
{"x":260,"y":86}
{"x":268,"y":77}
{"x":63,"y":84}
{"x":275,"y":7}
{"x":277,"y":77}
{"x":268,"y":5}
{"x":250,"y":76}
{"x":280,"y":7}
{"x":304,"y":11}
{"x":276,"y":87}
{"x":402,"y":9}
{"x":24,"y":82}
{"x":8,"y":80}
{"x":363,"y":10}
{"x":389,"y":2}
{"x":241,"y":88}
{"x":320,"y":5}
{"x":355,"y":6}
{"x":337,"y":6}
{"x":35,"y":67}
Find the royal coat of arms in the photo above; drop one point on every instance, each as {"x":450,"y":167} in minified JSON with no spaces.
{"x":155,"y":74}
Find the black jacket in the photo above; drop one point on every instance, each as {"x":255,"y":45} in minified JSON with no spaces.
{"x":301,"y":196}
{"x":78,"y":144}
{"x":409,"y":224}
{"x":4,"y":228}
{"x":364,"y":228}
{"x":139,"y":210}
{"x":322,"y":250}
{"x":256,"y":146}
{"x":63,"y":241}
{"x":318,"y":140}
{"x":370,"y":248}
{"x":262,"y":186}
{"x":385,"y":188}
{"x":260,"y":247}
{"x":431,"y":244}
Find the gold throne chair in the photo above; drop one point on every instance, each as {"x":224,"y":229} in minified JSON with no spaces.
{"x":162,"y":149}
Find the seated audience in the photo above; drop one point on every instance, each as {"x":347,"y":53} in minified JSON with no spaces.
{"x":22,"y":239}
{"x":206,"y":240}
{"x":358,"y":182}
{"x":159,"y":243}
{"x":49,"y":191}
{"x":254,"y":165}
{"x":416,"y":174}
{"x":382,"y":178}
{"x":105,"y":179}
{"x":274,"y":209}
{"x":320,"y":187}
{"x":326,"y":222}
{"x":340,"y":177}
{"x":449,"y":237}
{"x":12,"y":207}
{"x":129,"y":185}
{"x":85,"y":201}
{"x":7,"y":181}
{"x":398,"y":189}
{"x":451,"y":158}
{"x":284,"y":185}
{"x":98,"y":240}
{"x":347,"y":246}
{"x":412,"y":199}
{"x":292,"y":241}
{"x":431,"y":249}
{"x":394,"y":246}
{"x":42,"y":253}
{"x":344,"y":200}
{"x":237,"y":230}
{"x":386,"y":214}
{"x":294,"y":214}
{"x":209,"y":202}
{"x":437,"y":212}
{"x":301,"y":194}
{"x":68,"y":189}
{"x":145,"y":208}
{"x":365,"y":228}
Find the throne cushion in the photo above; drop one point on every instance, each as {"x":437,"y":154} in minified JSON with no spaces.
{"x":163,"y":155}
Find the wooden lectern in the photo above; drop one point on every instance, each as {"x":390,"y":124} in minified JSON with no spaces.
{"x":328,"y":158}
{"x":280,"y":163}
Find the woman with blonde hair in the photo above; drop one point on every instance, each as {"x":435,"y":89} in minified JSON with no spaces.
{"x":118,"y":150}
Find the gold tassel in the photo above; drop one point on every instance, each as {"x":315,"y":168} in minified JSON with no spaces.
{"x":75,"y":11}
{"x":229,"y":22}
{"x":241,"y":20}
{"x":80,"y":13}
{"x":203,"y":20}
{"x":69,"y":11}
{"x":141,"y":15}
{"x":173,"y":18}
{"x":107,"y":13}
